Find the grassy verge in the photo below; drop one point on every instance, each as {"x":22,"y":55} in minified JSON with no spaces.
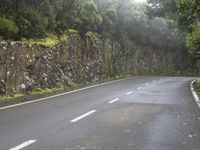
{"x":44,"y":92}
{"x":197,"y":87}
{"x":50,"y":41}
{"x":11,"y":96}
{"x":35,"y":91}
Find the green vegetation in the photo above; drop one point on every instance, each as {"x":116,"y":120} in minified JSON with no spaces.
{"x":197,"y":86}
{"x":46,"y":90}
{"x":11,"y":96}
{"x":198,"y":82}
{"x":35,"y":91}
{"x":163,"y":31}
{"x":49,"y":41}
{"x":193,"y":41}
{"x":33,"y":22}
{"x":7,"y":27}
{"x":185,"y":15}
{"x":45,"y":22}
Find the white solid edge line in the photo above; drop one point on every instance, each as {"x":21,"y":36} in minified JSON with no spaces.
{"x":194,"y":93}
{"x":139,"y":88}
{"x":57,"y":95}
{"x":129,"y":93}
{"x":114,"y":100}
{"x":83,"y":116}
{"x":27,"y":143}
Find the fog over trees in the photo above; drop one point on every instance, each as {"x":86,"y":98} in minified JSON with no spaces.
{"x":164,"y":25}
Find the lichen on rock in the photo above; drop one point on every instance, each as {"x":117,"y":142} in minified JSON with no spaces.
{"x":77,"y":60}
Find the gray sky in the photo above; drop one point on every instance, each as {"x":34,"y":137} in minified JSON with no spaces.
{"x":140,"y":1}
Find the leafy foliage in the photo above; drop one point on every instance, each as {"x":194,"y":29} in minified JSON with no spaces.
{"x":7,"y":27}
{"x":33,"y":24}
{"x":193,"y":41}
{"x":115,"y":19}
{"x":186,"y":15}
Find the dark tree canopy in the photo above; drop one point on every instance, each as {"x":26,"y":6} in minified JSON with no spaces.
{"x":120,"y":21}
{"x":186,"y":16}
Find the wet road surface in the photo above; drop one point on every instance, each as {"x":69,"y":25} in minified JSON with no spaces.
{"x":144,"y":113}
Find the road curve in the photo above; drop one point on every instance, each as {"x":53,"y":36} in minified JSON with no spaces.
{"x":145,"y":113}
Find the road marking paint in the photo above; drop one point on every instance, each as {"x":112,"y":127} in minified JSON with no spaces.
{"x":195,"y":94}
{"x":25,"y":144}
{"x":146,"y":84}
{"x":139,"y":88}
{"x":129,"y":93}
{"x":83,"y":116}
{"x":70,"y":92}
{"x":114,"y":100}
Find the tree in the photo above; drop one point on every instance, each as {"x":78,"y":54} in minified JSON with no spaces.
{"x":193,"y":41}
{"x":8,"y":28}
{"x":186,"y":15}
{"x":162,"y":8}
{"x":108,"y":11}
{"x":81,"y":15}
{"x":32,"y":24}
{"x":47,"y":11}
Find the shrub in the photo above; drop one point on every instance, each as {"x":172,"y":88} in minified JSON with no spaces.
{"x":32,"y":24}
{"x":193,"y":41}
{"x":8,"y":27}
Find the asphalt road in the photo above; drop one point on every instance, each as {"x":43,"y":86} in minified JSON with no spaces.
{"x":145,"y":113}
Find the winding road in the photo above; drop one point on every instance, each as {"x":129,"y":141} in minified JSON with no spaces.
{"x":142,"y":113}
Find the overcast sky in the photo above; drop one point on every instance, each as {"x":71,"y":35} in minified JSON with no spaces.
{"x":141,"y":1}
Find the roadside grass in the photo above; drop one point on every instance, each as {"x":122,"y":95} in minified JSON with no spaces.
{"x":43,"y":92}
{"x":11,"y":96}
{"x":67,"y":85}
{"x":35,"y":91}
{"x":197,"y":86}
{"x":198,"y":82}
{"x":51,"y":40}
{"x":46,"y":90}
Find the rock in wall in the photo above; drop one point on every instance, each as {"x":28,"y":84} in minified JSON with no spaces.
{"x":77,"y":60}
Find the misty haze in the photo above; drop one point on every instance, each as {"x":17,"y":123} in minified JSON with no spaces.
{"x":99,"y":75}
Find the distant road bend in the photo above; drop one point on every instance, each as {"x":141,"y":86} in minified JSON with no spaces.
{"x":144,"y":113}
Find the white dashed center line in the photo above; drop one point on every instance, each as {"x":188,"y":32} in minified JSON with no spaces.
{"x":23,"y":145}
{"x":114,"y":100}
{"x":83,"y":116}
{"x":147,"y":84}
{"x":129,"y":93}
{"x":139,"y":88}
